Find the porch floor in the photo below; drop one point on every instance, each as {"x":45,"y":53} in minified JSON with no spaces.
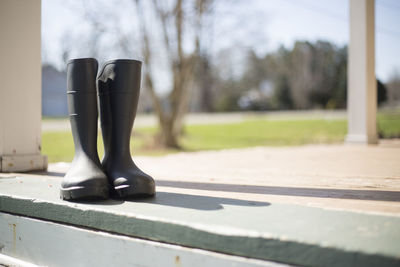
{"x":309,"y":205}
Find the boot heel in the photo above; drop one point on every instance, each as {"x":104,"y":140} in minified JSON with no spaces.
{"x":84,"y":193}
{"x":129,"y":191}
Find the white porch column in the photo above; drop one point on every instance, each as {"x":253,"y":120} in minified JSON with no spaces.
{"x":361,"y":83}
{"x":20,"y":86}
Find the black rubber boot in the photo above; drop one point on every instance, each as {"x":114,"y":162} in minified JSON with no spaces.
{"x":85,"y":179}
{"x":118,"y":87}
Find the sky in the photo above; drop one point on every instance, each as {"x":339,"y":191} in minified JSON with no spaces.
{"x":268,"y":24}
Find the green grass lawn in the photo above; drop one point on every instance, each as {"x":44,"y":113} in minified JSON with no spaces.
{"x":58,"y":146}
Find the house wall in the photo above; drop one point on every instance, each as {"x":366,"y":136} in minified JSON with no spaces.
{"x":54,"y":88}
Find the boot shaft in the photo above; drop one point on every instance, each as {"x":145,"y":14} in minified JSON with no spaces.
{"x":82,"y":104}
{"x":81,"y":75}
{"x":118,"y":90}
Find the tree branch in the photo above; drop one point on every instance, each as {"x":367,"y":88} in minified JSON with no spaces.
{"x":147,"y":60}
{"x":163,"y":14}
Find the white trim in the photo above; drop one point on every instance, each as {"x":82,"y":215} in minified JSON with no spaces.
{"x":52,"y":244}
{"x":10,"y":261}
{"x":21,"y":163}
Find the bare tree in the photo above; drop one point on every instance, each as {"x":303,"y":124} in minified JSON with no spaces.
{"x":173,"y":19}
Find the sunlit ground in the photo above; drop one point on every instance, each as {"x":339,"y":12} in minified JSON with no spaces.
{"x":58,"y":146}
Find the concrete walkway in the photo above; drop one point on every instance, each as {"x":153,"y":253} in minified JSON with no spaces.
{"x":150,"y":120}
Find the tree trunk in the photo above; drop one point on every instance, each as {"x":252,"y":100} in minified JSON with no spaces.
{"x":182,"y":67}
{"x":169,"y":137}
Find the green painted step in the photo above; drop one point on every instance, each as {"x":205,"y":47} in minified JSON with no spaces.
{"x":284,"y":233}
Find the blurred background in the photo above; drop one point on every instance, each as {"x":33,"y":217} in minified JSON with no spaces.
{"x":220,"y":74}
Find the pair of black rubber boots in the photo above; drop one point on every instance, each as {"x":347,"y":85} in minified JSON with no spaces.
{"x":116,"y":98}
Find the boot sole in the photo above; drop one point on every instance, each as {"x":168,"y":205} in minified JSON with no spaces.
{"x":128,"y":191}
{"x":84,"y":193}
